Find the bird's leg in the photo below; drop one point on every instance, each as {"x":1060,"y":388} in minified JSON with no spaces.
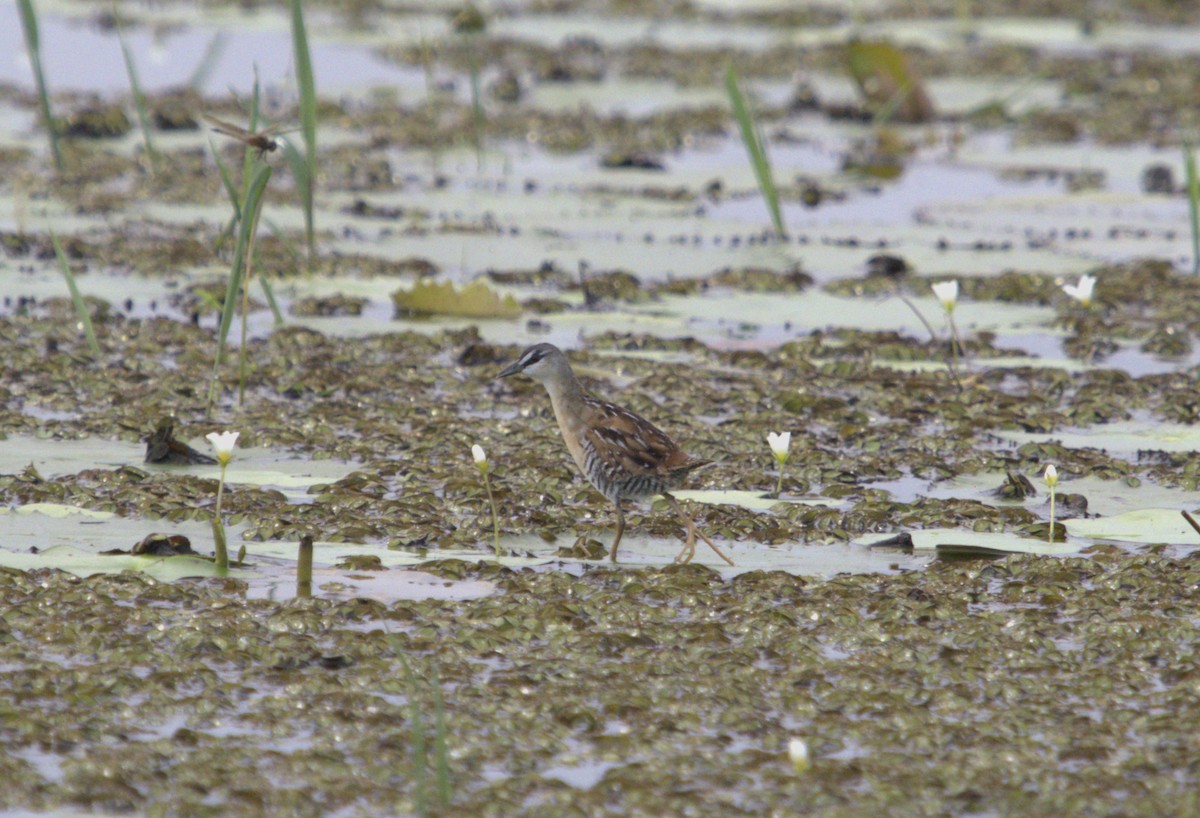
{"x":688,"y":551}
{"x":689,"y":547}
{"x":620,"y":530}
{"x":713,"y":546}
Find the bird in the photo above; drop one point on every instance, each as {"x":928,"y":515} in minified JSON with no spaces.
{"x":162,"y":447}
{"x":623,"y":455}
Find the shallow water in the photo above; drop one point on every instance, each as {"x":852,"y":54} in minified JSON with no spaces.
{"x":150,"y":685}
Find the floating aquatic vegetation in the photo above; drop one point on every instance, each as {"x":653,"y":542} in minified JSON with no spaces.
{"x":887,"y":81}
{"x":475,"y":300}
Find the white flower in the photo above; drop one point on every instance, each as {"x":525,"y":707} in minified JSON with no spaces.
{"x":947,"y":293}
{"x":1081,"y":292}
{"x":798,"y":753}
{"x":223,"y":444}
{"x":779,"y":444}
{"x":481,"y":461}
{"x":1051,"y":476}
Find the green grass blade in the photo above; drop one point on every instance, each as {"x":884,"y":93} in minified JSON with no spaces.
{"x":292,"y":249}
{"x":208,"y":60}
{"x":33,"y":45}
{"x":249,"y":155}
{"x":441,"y":758}
{"x":254,"y":116}
{"x":1193,"y":194}
{"x":269,"y":292}
{"x":294,"y":253}
{"x":476,"y":104}
{"x":427,"y":65}
{"x":139,"y":99}
{"x":248,"y":268}
{"x":420,"y":752}
{"x":756,"y":149}
{"x":247,"y":167}
{"x":308,"y":119}
{"x":227,"y":182}
{"x":253,"y":206}
{"x":33,"y":38}
{"x":209,"y":300}
{"x":419,"y":742}
{"x":302,"y":172}
{"x":884,"y":115}
{"x":81,"y":309}
{"x":231,"y":191}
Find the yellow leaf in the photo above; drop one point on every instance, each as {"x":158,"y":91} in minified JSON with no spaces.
{"x":888,"y":82}
{"x":476,"y":300}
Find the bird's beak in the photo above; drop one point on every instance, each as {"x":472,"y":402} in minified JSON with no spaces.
{"x":511,"y":369}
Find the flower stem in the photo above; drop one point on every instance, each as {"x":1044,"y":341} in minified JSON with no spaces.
{"x":487,"y":481}
{"x":1050,"y":538}
{"x":962,"y":350}
{"x":222,"y":552}
{"x":956,"y":347}
{"x":917,"y":312}
{"x":779,"y":482}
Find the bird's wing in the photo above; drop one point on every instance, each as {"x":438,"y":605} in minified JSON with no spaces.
{"x":630,"y":443}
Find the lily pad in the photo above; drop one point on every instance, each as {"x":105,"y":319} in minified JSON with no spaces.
{"x":1123,"y":436}
{"x":752,"y":500}
{"x":1148,"y":525}
{"x":637,"y":551}
{"x":85,"y":563}
{"x":1105,"y":497}
{"x":34,"y":536}
{"x":268,"y":468}
{"x":961,"y":542}
{"x":58,"y":510}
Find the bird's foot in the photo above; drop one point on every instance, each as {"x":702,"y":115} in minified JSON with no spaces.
{"x":713,"y":546}
{"x":687,"y":553}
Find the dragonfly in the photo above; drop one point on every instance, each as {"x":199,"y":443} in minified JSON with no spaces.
{"x":263,"y":141}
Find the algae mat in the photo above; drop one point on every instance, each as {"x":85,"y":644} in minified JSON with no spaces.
{"x":1006,"y":687}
